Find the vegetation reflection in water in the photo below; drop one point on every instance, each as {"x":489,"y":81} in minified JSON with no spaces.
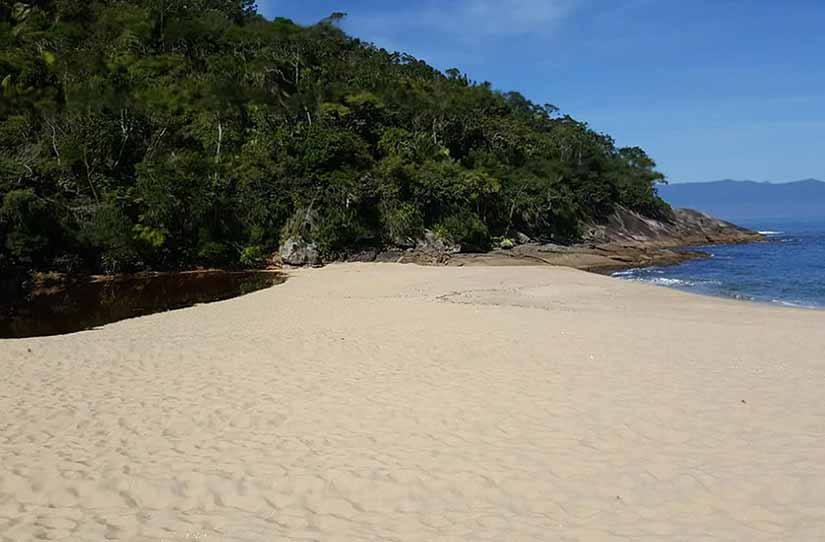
{"x":85,"y":305}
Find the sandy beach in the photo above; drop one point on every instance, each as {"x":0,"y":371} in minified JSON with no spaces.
{"x":393,"y":402}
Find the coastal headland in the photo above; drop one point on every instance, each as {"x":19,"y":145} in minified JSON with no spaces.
{"x":624,"y":240}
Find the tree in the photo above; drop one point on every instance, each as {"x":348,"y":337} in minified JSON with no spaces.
{"x":166,"y":134}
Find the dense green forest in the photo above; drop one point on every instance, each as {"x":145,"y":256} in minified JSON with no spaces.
{"x":141,"y":134}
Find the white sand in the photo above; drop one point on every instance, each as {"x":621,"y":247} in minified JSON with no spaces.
{"x":387,"y":402}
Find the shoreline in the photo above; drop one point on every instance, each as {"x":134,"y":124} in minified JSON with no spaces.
{"x":600,"y":259}
{"x":624,"y":240}
{"x":776,"y":303}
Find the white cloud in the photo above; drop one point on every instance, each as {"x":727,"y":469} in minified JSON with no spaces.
{"x":469,"y":19}
{"x":494,"y":17}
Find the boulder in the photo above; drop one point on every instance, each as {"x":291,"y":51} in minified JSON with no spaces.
{"x":299,"y":252}
{"x":433,"y":244}
{"x":522,"y":239}
{"x":364,"y":256}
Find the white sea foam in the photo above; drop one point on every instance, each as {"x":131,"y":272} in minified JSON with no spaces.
{"x":769,"y":232}
{"x":627,"y":273}
{"x":663,"y":281}
{"x":795,"y":304}
{"x":676,"y":283}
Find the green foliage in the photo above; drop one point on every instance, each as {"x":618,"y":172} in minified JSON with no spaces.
{"x":111,"y":233}
{"x":339,"y":230}
{"x":26,"y":226}
{"x":152,"y":134}
{"x":212,"y":252}
{"x":152,"y":237}
{"x":465,"y":229}
{"x":403,"y":223}
{"x":253,"y":257}
{"x":506,"y":243}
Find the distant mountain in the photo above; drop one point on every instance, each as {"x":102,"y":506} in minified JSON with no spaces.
{"x":737,"y":200}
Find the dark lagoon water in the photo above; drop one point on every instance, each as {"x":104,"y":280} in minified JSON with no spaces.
{"x":787,"y":269}
{"x":81,"y":305}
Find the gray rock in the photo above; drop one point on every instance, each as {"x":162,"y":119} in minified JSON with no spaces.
{"x":683,"y":227}
{"x":522,"y":239}
{"x":398,"y":241}
{"x":392,"y":255}
{"x":368,"y":255}
{"x":431,"y":243}
{"x":299,"y":252}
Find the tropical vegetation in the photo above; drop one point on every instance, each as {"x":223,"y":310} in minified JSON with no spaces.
{"x":150,"y":134}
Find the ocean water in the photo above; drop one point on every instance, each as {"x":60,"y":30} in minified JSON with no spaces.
{"x":787,"y":269}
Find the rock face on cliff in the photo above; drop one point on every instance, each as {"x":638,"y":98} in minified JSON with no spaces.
{"x":686,"y":227}
{"x":625,"y":240}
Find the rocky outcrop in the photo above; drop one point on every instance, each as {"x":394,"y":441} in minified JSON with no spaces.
{"x":299,"y":252}
{"x":430,"y":249}
{"x":625,"y":240}
{"x":685,"y":228}
{"x":433,"y":244}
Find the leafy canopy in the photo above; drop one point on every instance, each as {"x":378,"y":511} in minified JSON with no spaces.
{"x":175,"y":133}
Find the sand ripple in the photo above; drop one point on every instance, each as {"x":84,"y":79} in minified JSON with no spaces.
{"x":370,"y":402}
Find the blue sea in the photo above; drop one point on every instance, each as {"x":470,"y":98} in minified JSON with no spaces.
{"x":787,"y":269}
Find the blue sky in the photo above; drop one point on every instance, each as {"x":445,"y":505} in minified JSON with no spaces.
{"x":712,"y":89}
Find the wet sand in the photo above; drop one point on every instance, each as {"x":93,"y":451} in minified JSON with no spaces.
{"x":391,"y":402}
